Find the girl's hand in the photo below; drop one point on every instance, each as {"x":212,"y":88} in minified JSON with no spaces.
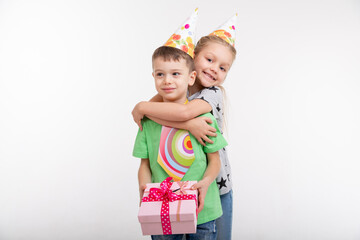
{"x":137,"y":115}
{"x":200,"y":128}
{"x":202,"y":187}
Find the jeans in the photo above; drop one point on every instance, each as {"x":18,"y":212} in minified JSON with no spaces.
{"x":224,"y":223}
{"x":205,"y":231}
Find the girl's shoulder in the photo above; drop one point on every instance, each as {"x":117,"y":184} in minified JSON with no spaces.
{"x":209,"y":94}
{"x":212,"y":90}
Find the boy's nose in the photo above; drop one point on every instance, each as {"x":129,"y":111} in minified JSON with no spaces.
{"x":167,"y":80}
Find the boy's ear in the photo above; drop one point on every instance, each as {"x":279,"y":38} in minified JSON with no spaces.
{"x":192,"y":78}
{"x":152,"y":74}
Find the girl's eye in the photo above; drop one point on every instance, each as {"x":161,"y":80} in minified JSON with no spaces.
{"x":159,"y":74}
{"x":222,"y":69}
{"x":176,"y":74}
{"x":209,"y":60}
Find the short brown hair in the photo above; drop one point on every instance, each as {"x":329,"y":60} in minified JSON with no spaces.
{"x":174,"y":54}
{"x":212,"y":38}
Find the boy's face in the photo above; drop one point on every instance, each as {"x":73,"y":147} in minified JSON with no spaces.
{"x":172,"y":79}
{"x":212,"y":64}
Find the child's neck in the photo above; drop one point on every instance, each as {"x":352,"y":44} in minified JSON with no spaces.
{"x":181,"y":100}
{"x":195,"y":88}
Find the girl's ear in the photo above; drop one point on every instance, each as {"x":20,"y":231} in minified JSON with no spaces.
{"x":152,"y":74}
{"x":192,"y":78}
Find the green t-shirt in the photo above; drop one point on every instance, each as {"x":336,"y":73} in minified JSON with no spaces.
{"x":147,"y":146}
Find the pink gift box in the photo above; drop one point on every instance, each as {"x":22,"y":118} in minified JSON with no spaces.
{"x":182,"y":213}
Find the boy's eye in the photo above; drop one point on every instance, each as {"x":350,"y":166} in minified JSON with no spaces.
{"x":209,"y":60}
{"x":176,"y":74}
{"x":159,"y":74}
{"x":222,"y":69}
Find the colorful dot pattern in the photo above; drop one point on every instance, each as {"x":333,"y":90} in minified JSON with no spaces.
{"x":227,"y":30}
{"x":183,"y":37}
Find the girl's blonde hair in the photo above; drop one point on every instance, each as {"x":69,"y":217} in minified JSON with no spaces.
{"x":205,"y":40}
{"x":201,"y":44}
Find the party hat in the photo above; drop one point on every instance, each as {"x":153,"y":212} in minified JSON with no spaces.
{"x":227,"y":30}
{"x":184,"y":36}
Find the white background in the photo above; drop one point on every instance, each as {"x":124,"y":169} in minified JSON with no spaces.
{"x":71,"y":72}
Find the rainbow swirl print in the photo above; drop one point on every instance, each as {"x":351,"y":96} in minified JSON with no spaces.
{"x":175,"y":152}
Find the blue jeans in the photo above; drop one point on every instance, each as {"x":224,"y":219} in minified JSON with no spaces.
{"x":205,"y":231}
{"x":224,"y":223}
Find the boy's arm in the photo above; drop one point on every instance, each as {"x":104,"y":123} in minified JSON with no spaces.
{"x":144,"y":175}
{"x":199,"y":127}
{"x":170,"y":111}
{"x":210,"y":175}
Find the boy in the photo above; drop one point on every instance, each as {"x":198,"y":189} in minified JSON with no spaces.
{"x":173,"y":72}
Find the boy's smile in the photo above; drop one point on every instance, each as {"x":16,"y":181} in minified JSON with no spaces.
{"x":172,"y":79}
{"x":168,"y":90}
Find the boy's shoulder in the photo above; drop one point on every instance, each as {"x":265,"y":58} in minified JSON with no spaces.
{"x":147,"y":123}
{"x":219,"y":140}
{"x":207,"y":115}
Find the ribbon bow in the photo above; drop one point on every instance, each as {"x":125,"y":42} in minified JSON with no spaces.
{"x":166,"y":195}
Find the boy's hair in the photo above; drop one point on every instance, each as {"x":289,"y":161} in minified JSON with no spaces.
{"x":174,"y":54}
{"x":212,"y":38}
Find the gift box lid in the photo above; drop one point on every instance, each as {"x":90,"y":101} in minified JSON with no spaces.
{"x":179,"y":210}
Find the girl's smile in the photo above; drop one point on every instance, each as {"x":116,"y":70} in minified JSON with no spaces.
{"x":212,"y":64}
{"x":209,"y":76}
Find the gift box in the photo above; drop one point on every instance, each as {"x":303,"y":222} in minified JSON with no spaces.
{"x":168,"y":208}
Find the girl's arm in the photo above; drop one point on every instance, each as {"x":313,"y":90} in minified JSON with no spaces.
{"x":170,"y":111}
{"x":137,"y":115}
{"x":144,"y":175}
{"x":199,"y":127}
{"x":156,"y":98}
{"x":210,"y":175}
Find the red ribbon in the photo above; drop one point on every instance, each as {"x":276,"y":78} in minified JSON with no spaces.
{"x":165,"y":194}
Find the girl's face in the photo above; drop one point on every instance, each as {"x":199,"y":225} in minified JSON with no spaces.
{"x":212,"y":64}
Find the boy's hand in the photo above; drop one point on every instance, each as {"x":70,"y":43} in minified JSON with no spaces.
{"x":144,"y":176}
{"x":202,"y":187}
{"x":137,"y":115}
{"x":200,"y":128}
{"x":141,"y":192}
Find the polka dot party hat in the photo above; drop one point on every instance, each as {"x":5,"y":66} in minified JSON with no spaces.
{"x":184,"y":36}
{"x":227,"y":30}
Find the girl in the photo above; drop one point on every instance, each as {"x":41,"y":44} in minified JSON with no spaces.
{"x":214,"y":55}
